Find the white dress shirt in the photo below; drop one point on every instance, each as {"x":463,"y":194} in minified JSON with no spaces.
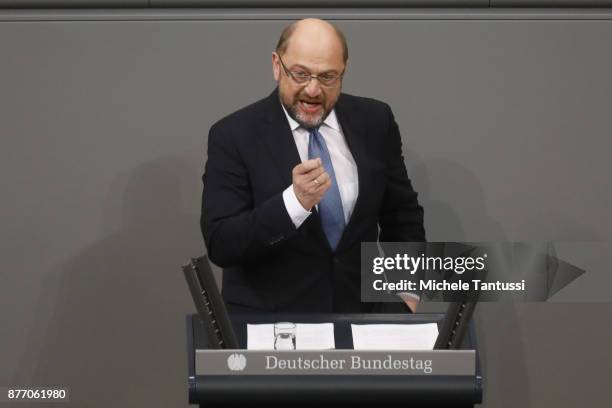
{"x":345,"y":168}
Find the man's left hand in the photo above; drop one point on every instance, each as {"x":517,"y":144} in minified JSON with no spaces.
{"x":410,"y":301}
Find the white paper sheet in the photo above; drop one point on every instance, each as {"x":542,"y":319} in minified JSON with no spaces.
{"x":309,"y":336}
{"x":260,"y":336}
{"x":394,"y":336}
{"x":315,"y":336}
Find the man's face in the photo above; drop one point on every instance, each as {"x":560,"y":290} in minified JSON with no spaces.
{"x":311,"y":102}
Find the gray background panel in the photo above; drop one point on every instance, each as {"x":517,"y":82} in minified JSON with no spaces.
{"x":73,"y":3}
{"x":103,"y":127}
{"x":240,"y":3}
{"x":298,"y":3}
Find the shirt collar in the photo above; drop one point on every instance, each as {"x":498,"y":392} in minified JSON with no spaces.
{"x":331,"y":120}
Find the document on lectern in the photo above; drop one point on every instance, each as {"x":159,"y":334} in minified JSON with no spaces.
{"x":394,"y":336}
{"x":309,"y":336}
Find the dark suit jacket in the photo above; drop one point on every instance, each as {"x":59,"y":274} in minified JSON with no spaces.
{"x":269,"y":265}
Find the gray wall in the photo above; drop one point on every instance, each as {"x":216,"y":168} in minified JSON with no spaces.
{"x":506,"y":127}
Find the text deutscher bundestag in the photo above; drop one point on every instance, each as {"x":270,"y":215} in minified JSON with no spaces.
{"x":352,"y":363}
{"x":458,"y":265}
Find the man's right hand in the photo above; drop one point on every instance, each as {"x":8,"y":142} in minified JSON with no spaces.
{"x":310,"y":182}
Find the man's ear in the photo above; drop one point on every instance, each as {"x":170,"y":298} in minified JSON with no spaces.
{"x":275,"y":66}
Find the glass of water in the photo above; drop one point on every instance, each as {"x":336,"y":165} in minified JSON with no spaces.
{"x":284,"y":336}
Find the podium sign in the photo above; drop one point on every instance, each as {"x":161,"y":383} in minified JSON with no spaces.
{"x":335,"y":362}
{"x":330,"y":378}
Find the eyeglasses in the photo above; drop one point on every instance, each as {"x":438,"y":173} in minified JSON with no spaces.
{"x":302,"y":77}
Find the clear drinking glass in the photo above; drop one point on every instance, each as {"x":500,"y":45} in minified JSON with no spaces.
{"x":284,"y":336}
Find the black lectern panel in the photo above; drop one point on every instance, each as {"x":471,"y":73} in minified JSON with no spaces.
{"x":362,"y":390}
{"x":374,"y":391}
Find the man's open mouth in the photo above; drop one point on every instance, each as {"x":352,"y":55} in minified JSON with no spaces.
{"x":309,"y":106}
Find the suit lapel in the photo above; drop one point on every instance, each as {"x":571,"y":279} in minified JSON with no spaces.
{"x":283,"y":152}
{"x":355,"y":133}
{"x":278,"y":137}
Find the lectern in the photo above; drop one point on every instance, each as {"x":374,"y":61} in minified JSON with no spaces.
{"x":224,"y":376}
{"x":330,"y":390}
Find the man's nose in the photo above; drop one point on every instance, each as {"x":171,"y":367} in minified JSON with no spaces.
{"x":313,"y":88}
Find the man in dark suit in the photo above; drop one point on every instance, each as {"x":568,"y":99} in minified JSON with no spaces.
{"x":296,"y":181}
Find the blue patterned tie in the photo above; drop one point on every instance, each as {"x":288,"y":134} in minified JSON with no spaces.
{"x":330,"y":206}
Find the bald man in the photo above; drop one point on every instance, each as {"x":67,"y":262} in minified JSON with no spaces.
{"x":296,"y":181}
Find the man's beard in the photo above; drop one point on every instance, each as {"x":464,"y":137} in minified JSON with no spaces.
{"x":306,"y":121}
